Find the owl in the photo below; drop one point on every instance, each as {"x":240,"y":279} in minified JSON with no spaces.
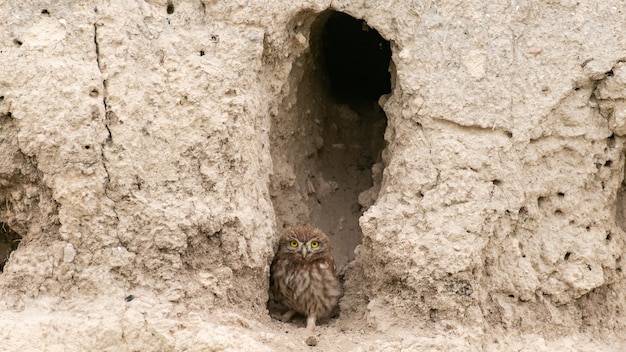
{"x":303,"y":274}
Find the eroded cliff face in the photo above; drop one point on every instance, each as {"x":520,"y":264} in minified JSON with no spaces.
{"x":151,"y":153}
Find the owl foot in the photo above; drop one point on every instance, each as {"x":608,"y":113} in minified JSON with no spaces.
{"x":287,"y":316}
{"x":310,"y":323}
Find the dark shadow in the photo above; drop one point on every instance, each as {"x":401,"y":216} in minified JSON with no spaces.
{"x":9,"y":240}
{"x":356,"y":60}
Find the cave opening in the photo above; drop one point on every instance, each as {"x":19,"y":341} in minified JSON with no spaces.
{"x":327,"y":134}
{"x":352,"y":62}
{"x":9,"y":240}
{"x":355,"y":59}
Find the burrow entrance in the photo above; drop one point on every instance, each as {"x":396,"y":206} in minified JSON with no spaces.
{"x":328,"y":132}
{"x":9,"y":240}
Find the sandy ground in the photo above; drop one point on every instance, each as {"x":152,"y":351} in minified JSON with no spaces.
{"x":136,"y":327}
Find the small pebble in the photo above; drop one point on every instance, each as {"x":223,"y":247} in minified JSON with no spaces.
{"x":311,"y":341}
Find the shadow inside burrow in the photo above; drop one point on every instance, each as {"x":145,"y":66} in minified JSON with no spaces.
{"x":9,"y":241}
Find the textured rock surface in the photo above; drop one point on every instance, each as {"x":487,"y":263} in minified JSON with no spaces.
{"x":151,"y":152}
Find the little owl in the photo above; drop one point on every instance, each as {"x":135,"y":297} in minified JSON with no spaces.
{"x":303,"y":274}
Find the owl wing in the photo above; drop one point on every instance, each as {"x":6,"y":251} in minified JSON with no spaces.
{"x":273,"y":270}
{"x":331,"y":263}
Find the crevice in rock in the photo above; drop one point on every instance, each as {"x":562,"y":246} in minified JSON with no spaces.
{"x":104,"y":82}
{"x":620,"y":205}
{"x":106,"y":124}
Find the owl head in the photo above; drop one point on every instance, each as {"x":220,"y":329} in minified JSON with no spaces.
{"x":304,"y":242}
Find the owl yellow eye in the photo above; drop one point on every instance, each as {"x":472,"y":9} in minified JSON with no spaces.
{"x":293,"y":243}
{"x":315,"y":244}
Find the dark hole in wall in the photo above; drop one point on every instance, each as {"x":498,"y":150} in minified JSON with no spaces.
{"x":356,"y":59}
{"x":9,"y":240}
{"x":328,"y":133}
{"x":353,"y":61}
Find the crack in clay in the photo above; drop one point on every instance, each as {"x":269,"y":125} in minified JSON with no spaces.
{"x":106,"y":125}
{"x":104,"y":81}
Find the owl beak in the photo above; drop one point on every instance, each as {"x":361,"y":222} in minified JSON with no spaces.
{"x":304,"y":252}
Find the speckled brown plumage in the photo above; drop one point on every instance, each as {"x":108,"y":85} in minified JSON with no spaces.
{"x":303,"y":274}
